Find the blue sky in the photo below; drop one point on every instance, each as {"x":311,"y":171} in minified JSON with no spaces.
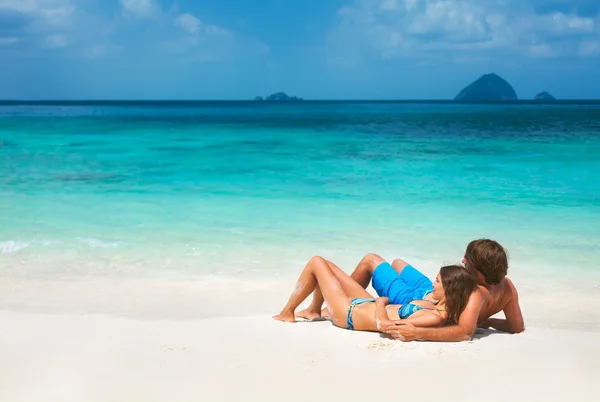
{"x":316,"y":49}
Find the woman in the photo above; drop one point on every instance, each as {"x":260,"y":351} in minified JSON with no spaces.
{"x":352,"y":307}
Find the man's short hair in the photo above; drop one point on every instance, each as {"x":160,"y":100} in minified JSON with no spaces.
{"x":489,"y":258}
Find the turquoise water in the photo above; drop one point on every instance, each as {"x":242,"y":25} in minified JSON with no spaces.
{"x":249,"y":190}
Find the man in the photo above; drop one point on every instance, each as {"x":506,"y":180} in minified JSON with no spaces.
{"x":485,"y":258}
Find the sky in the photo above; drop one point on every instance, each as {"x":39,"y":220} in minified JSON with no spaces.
{"x":315,"y":49}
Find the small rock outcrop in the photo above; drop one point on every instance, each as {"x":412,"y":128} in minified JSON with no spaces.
{"x":488,"y":87}
{"x":544,"y":96}
{"x":278,"y":96}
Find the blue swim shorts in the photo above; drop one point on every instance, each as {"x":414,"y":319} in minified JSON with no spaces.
{"x":401,"y":288}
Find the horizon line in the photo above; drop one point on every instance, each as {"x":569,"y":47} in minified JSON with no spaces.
{"x":253,"y":101}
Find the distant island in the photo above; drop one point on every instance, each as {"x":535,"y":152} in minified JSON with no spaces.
{"x":488,"y":87}
{"x":544,"y":96}
{"x":278,"y":96}
{"x":492,"y":88}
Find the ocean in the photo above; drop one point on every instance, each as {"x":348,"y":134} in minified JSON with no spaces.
{"x":178,"y":209}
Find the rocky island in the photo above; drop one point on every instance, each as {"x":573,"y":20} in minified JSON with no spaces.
{"x":278,"y":96}
{"x":488,"y":87}
{"x":544,"y":96}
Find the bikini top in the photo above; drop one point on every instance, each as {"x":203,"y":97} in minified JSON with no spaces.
{"x":409,"y":309}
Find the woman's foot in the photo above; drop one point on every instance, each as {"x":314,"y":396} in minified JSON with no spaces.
{"x":285,"y":317}
{"x":309,"y":314}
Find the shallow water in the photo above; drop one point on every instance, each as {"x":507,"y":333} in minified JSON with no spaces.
{"x":248,"y":191}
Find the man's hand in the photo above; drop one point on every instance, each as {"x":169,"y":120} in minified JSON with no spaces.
{"x":428,"y":327}
{"x":403,"y":331}
{"x":484,"y":324}
{"x":383,"y":300}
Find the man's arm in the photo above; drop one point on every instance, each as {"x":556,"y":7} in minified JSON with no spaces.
{"x":512,"y":311}
{"x":426,"y":320}
{"x":464,"y":330}
{"x":383,"y":321}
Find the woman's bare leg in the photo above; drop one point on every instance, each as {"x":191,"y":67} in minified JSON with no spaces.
{"x":318,"y":272}
{"x":361,"y":276}
{"x":350,"y":286}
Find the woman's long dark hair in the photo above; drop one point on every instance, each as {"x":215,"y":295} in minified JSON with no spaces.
{"x":458,"y":284}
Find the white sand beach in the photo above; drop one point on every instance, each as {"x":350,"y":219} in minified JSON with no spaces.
{"x":86,"y":357}
{"x":170,"y":338}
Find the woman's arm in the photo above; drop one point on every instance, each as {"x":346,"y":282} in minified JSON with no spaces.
{"x":382,"y":321}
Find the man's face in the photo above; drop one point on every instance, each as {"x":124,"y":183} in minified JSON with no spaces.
{"x":478,"y":275}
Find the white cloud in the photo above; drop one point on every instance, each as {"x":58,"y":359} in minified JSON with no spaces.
{"x":388,"y":5}
{"x":52,"y":12}
{"x":97,"y":51}
{"x":84,"y":29}
{"x":193,"y":25}
{"x":7,"y":41}
{"x":462,"y":20}
{"x":140,"y":8}
{"x":55,"y":41}
{"x":544,"y":50}
{"x":23,"y":6}
{"x":200,"y":41}
{"x":198,"y":30}
{"x":188,"y":22}
{"x":590,"y":48}
{"x":41,"y":23}
{"x":412,"y":28}
{"x":59,"y":14}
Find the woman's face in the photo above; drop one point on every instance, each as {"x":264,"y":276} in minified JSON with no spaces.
{"x":438,"y":288}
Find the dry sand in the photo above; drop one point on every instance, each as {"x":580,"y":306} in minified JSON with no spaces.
{"x":60,"y":357}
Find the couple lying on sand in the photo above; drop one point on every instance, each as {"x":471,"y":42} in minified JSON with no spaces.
{"x":410,"y":305}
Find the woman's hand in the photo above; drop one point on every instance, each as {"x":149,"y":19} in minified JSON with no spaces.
{"x":382,"y":300}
